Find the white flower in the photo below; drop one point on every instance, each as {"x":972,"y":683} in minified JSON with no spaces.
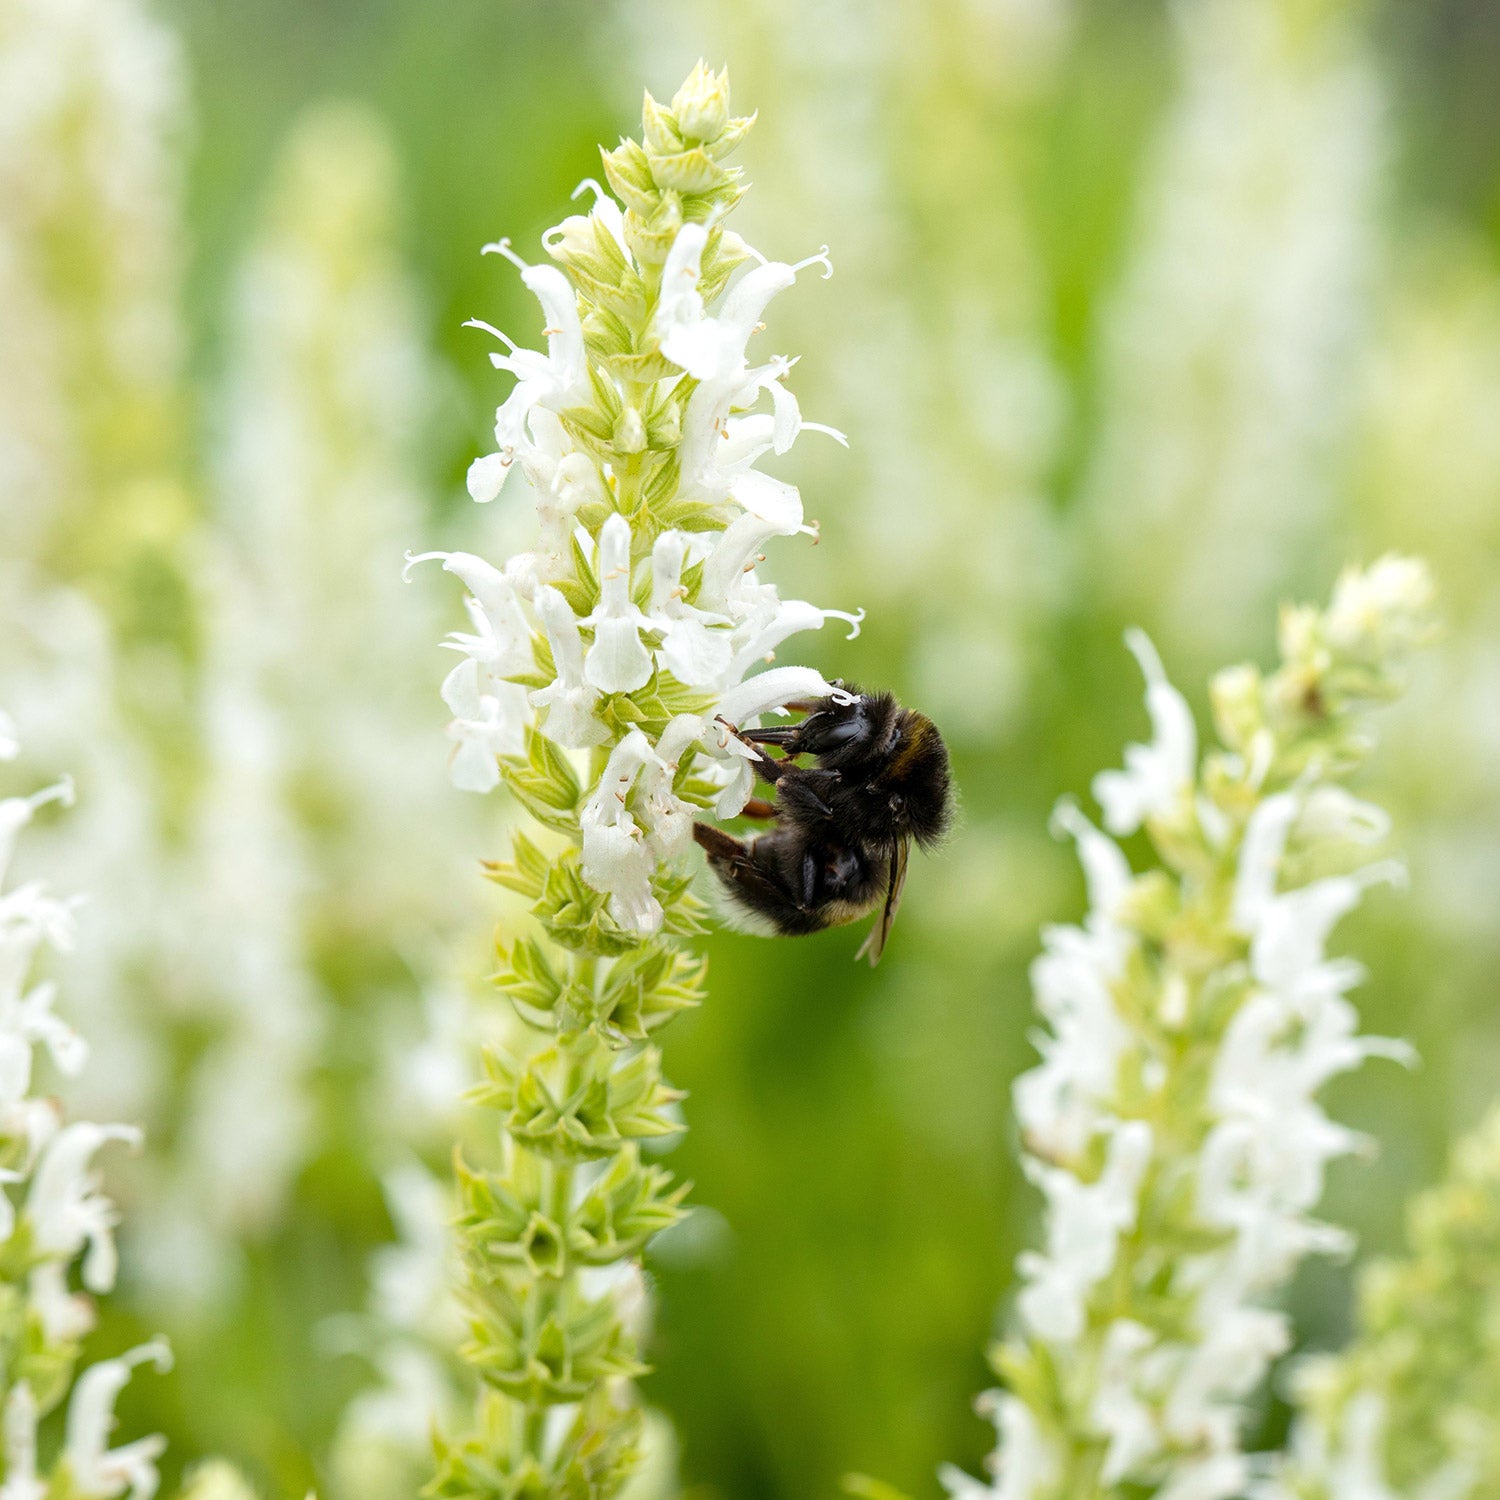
{"x":485,"y":725}
{"x":1331,"y":814}
{"x":1117,"y":1408}
{"x":712,"y":348}
{"x":576,"y":233}
{"x":743,"y":703}
{"x":30,"y":917}
{"x":569,"y":700}
{"x":1220,"y":1477}
{"x":1025,"y":1463}
{"x":17,"y":812}
{"x":1084,"y":1222}
{"x":668,"y":819}
{"x":19,"y":1422}
{"x":67,"y":1214}
{"x":757,"y":639}
{"x":555,"y":379}
{"x":98,"y":1471}
{"x":696,"y":647}
{"x":502,"y":645}
{"x":616,"y":857}
{"x":1352,"y":1465}
{"x":1382,"y":610}
{"x":617,"y":662}
{"x":23,"y":1023}
{"x":1061,"y":1104}
{"x":1156,"y":776}
{"x":410,"y":1279}
{"x":729,"y":583}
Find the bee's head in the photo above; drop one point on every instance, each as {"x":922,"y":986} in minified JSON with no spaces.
{"x":916,"y":781}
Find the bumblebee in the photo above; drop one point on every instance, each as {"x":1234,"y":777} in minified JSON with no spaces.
{"x":843,"y":826}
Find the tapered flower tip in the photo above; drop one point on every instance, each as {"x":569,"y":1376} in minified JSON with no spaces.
{"x":95,"y":1468}
{"x":1384,"y":610}
{"x":701,"y":105}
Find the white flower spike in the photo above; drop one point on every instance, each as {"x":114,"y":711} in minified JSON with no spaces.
{"x":1174,"y":1123}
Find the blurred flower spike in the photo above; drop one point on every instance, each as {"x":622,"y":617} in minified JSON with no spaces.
{"x":52,"y":1213}
{"x":1173,"y":1124}
{"x":596,"y":683}
{"x":1412,"y":1406}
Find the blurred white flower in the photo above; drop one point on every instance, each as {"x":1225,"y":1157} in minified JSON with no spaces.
{"x":96,"y":1470}
{"x":1158,"y":775}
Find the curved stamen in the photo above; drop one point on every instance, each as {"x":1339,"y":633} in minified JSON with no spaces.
{"x":413,"y":558}
{"x":504,"y":338}
{"x":820,"y":259}
{"x":502,"y":247}
{"x":589,"y":182}
{"x":854,"y":621}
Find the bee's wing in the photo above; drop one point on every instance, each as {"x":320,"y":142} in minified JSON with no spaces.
{"x":874,"y":944}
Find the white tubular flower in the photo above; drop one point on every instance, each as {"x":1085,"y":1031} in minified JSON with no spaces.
{"x":617,"y":662}
{"x":616,"y":857}
{"x":1155,"y":775}
{"x":503,"y":643}
{"x":17,"y":812}
{"x":64,"y":1216}
{"x":1174,"y":1123}
{"x":489,"y":720}
{"x":711,"y":348}
{"x":66,"y":1211}
{"x":96,"y":1470}
{"x":23,"y":1023}
{"x":1381,"y":609}
{"x":22,"y":1482}
{"x":555,"y":380}
{"x":696,"y":647}
{"x":757,"y":639}
{"x":569,"y":701}
{"x":1084,"y":1223}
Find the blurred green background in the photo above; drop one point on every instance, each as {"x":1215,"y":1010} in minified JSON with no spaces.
{"x":1142,"y":314}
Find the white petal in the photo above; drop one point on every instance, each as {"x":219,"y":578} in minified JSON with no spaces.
{"x":487,"y":475}
{"x":772,"y":690}
{"x":695,"y":654}
{"x":617,"y":662}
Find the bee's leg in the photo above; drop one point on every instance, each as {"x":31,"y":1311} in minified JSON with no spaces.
{"x":798,"y":794}
{"x":752,"y":884}
{"x":767,"y":767}
{"x":720,"y":847}
{"x":758,"y":807}
{"x":785,"y":736}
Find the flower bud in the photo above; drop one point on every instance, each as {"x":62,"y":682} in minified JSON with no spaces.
{"x":1236,"y":697}
{"x":701,"y":105}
